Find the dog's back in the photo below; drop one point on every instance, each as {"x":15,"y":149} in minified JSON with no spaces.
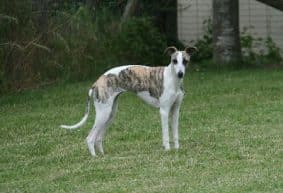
{"x":130,"y":78}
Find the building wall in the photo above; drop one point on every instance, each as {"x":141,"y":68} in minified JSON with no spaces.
{"x":260,"y":19}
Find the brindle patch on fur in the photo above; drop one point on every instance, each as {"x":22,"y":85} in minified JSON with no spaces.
{"x":101,"y":88}
{"x":135,"y":79}
{"x":139,"y":79}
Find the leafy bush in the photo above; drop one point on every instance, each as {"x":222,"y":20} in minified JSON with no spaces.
{"x":139,"y":42}
{"x":76,"y":45}
{"x":73,"y":43}
{"x":273,"y":51}
{"x":257,"y":51}
{"x":204,"y":44}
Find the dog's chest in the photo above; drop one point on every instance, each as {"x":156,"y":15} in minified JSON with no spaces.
{"x":171,"y":92}
{"x":170,"y":96}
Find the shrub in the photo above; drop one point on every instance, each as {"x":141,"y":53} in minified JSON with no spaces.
{"x":204,"y":44}
{"x":139,"y":42}
{"x":259,"y":52}
{"x":75,"y":46}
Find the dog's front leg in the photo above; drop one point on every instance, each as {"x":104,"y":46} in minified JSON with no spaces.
{"x":164,"y":113}
{"x":175,"y":125}
{"x":175,"y":120}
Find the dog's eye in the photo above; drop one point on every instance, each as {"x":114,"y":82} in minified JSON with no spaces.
{"x":174,"y":61}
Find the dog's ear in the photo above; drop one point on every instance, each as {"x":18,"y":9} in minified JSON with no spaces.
{"x":191,"y":50}
{"x":170,"y":50}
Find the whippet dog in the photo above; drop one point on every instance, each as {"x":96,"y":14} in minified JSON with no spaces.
{"x":160,"y":87}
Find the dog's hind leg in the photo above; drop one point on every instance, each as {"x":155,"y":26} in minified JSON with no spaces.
{"x":101,"y":132}
{"x":103,"y":113}
{"x":90,"y":141}
{"x":164,"y":112}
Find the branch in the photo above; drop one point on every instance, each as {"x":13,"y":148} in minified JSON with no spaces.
{"x":278,"y":4}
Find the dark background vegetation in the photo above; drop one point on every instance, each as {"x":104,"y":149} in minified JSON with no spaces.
{"x":46,"y":41}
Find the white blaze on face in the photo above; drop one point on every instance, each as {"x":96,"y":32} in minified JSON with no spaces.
{"x":179,"y":67}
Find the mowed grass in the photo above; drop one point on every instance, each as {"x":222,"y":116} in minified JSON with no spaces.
{"x":231,"y":135}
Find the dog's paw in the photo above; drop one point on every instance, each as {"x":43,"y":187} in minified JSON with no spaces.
{"x":176,"y":146}
{"x":166,"y":147}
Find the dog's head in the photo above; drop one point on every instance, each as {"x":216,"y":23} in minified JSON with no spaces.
{"x":180,"y":59}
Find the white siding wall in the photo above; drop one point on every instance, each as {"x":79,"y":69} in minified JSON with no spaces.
{"x":191,"y":14}
{"x":262,"y":20}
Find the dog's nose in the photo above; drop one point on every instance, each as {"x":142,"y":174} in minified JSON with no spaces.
{"x":180,"y":74}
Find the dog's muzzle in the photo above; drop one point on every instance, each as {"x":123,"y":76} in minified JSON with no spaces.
{"x":180,"y":74}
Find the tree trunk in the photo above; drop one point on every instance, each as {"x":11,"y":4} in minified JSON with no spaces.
{"x":170,"y":22}
{"x":41,"y":8}
{"x":278,"y":4}
{"x":226,"y":41}
{"x":130,"y":9}
{"x":92,"y":6}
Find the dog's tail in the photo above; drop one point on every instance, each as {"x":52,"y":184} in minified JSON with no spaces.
{"x":79,"y":124}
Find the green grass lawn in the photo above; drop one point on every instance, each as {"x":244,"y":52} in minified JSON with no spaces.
{"x":231,"y":137}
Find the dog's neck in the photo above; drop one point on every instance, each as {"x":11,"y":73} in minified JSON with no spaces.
{"x":171,"y":74}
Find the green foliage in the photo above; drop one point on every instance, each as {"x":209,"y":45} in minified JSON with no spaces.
{"x":259,"y":51}
{"x":76,"y":44}
{"x":140,"y":43}
{"x":273,"y":51}
{"x":73,"y":43}
{"x":204,"y":44}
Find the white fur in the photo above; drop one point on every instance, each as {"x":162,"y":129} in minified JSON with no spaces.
{"x":79,"y":124}
{"x":179,"y":67}
{"x":168,"y":103}
{"x":172,"y":97}
{"x":84,"y":119}
{"x":118,"y":69}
